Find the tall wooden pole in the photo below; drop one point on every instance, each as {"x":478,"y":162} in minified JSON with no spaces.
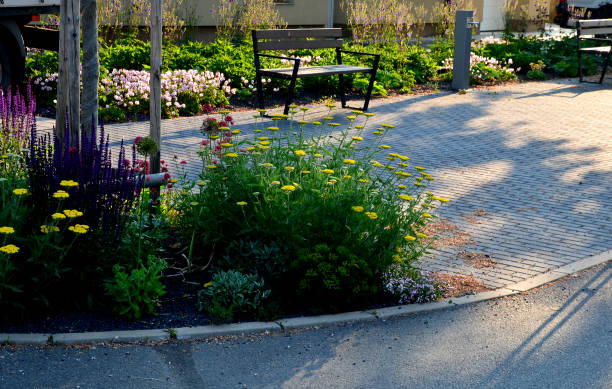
{"x":155,"y":82}
{"x":91,"y":64}
{"x":68,"y":88}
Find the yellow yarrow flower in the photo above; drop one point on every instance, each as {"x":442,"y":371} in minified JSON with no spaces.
{"x":257,"y":131}
{"x":236,"y":132}
{"x":224,"y":112}
{"x":58,"y":216}
{"x":318,"y":155}
{"x":241,"y":203}
{"x":369,"y":114}
{"x":442,"y":199}
{"x":391,"y":167}
{"x":419,"y":168}
{"x":357,"y":208}
{"x":422,"y":235}
{"x":316,"y":123}
{"x":201,"y":183}
{"x":359,"y":127}
{"x":328,"y":118}
{"x":402,"y":186}
{"x":305,"y":171}
{"x":61,"y":194}
{"x":405,"y":197}
{"x":348,"y":177}
{"x":79,"y":228}
{"x":71,"y":213}
{"x":68,"y":183}
{"x":402,"y":164}
{"x":250,"y":148}
{"x":288,"y":188}
{"x":231,"y":155}
{"x":351,"y":117}
{"x":416,"y":183}
{"x":267,"y":165}
{"x":328,"y":171}
{"x":211,"y":166}
{"x":334,"y":124}
{"x":304,"y":109}
{"x":274,"y":183}
{"x":372,"y":215}
{"x":385,"y":146}
{"x":404,"y":158}
{"x":7,"y":230}
{"x":300,"y":153}
{"x":426,"y":215}
{"x":387,"y":125}
{"x":20,"y":191}
{"x":405,"y":174}
{"x":226,"y":144}
{"x":272,"y":128}
{"x":377,"y":164}
{"x":349,"y":161}
{"x":330,"y":105}
{"x":410,"y":238}
{"x":302,"y":122}
{"x":263,"y":138}
{"x":289,"y":168}
{"x":357,"y":138}
{"x":357,"y":111}
{"x":363,"y":180}
{"x":9,"y":249}
{"x":263,"y":147}
{"x":45,"y":229}
{"x":265,"y":143}
{"x":418,"y":178}
{"x":209,"y":283}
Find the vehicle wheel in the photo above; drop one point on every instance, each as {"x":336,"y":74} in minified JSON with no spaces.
{"x":5,"y":68}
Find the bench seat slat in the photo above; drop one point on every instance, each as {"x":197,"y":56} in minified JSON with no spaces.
{"x":312,"y":71}
{"x":596,"y":31}
{"x":595,"y":23}
{"x":600,"y":49}
{"x":299,"y":33}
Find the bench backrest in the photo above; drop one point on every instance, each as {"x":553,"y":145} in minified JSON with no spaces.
{"x":594,"y":27}
{"x":299,"y":38}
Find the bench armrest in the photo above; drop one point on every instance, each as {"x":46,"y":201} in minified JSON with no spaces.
{"x":596,"y":39}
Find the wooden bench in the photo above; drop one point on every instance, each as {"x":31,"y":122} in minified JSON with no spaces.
{"x":309,"y":38}
{"x":594,"y":30}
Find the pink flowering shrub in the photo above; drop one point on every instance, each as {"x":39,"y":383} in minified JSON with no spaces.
{"x":183,"y":91}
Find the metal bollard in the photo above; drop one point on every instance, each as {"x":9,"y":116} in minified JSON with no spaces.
{"x":463,"y":41}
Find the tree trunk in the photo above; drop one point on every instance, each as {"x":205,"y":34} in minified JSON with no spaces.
{"x":68,"y":88}
{"x":91,"y":65}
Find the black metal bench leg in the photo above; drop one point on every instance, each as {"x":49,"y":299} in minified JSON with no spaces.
{"x":341,"y":90}
{"x":371,"y":85}
{"x":605,"y":67}
{"x":260,"y":95}
{"x":579,"y":66}
{"x":296,"y":67}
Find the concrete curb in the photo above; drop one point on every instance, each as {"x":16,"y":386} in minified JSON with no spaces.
{"x":202,"y":332}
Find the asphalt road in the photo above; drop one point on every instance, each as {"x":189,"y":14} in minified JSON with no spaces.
{"x":559,"y":336}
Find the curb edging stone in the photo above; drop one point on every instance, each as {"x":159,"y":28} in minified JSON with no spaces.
{"x":209,"y":331}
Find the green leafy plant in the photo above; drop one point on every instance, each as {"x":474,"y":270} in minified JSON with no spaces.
{"x":231,"y":294}
{"x":537,"y":71}
{"x":136,"y":292}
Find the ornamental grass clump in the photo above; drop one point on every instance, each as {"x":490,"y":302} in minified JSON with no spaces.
{"x":338,"y":206}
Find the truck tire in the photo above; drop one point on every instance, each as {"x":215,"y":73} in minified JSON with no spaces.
{"x":5,"y":68}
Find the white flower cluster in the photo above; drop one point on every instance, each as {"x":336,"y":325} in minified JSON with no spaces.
{"x":304,"y":61}
{"x":129,"y":87}
{"x":477,"y":61}
{"x":45,"y":83}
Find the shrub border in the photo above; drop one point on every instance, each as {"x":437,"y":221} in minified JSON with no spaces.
{"x":313,"y":322}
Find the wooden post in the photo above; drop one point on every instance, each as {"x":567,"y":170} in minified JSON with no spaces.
{"x":155,"y":82}
{"x":68,"y":88}
{"x":91,"y":65}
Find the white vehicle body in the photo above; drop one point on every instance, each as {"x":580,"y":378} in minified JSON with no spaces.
{"x":15,"y":35}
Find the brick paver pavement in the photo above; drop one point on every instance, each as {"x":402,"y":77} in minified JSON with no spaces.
{"x":534,"y":161}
